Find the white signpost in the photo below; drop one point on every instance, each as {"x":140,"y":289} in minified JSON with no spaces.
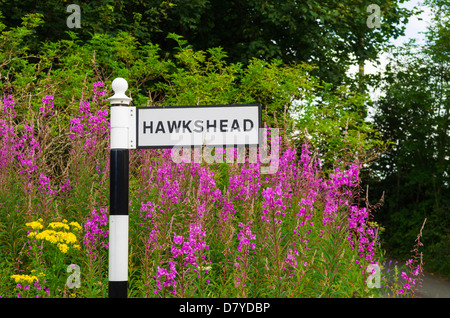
{"x":162,"y":127}
{"x":184,"y":126}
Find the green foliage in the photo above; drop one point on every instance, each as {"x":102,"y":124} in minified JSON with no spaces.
{"x":336,"y":121}
{"x":331,"y":34}
{"x":293,"y":100}
{"x":414,"y":115}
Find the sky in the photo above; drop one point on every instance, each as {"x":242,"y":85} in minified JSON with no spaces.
{"x":415,"y":28}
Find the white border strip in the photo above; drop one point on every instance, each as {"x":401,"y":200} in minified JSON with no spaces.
{"x":118,"y":247}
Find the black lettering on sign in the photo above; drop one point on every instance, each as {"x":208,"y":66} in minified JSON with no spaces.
{"x":159,"y":127}
{"x":245,"y":126}
{"x":199,"y":125}
{"x":186,"y":126}
{"x":235,"y":125}
{"x":148,"y":127}
{"x":174,"y":126}
{"x":223,"y":125}
{"x":209,"y":126}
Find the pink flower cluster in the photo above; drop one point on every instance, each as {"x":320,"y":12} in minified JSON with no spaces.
{"x":410,"y":282}
{"x":47,"y":106}
{"x":291,"y":262}
{"x":171,"y":191}
{"x":245,"y":238}
{"x":166,"y":278}
{"x":27,"y":150}
{"x":96,"y":91}
{"x":273,"y":205}
{"x":287,"y":171}
{"x":338,"y":190}
{"x":96,"y":232}
{"x":191,"y":250}
{"x":246,"y":244}
{"x":8,"y":107}
{"x":7,"y":136}
{"x":90,"y":123}
{"x":207,"y":192}
{"x":191,"y":254}
{"x":361,"y":232}
{"x":45,"y":186}
{"x":207,"y":184}
{"x":148,"y":216}
{"x":246,"y":184}
{"x":36,"y":286}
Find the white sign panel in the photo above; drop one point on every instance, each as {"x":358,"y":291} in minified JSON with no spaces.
{"x":218,"y":125}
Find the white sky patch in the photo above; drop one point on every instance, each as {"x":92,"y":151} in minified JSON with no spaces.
{"x":415,"y":29}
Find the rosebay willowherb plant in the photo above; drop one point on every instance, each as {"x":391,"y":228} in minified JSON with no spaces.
{"x":197,"y":228}
{"x":293,"y":233}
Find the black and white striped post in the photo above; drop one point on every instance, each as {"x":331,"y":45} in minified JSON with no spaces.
{"x":129,"y":133}
{"x":120,"y":143}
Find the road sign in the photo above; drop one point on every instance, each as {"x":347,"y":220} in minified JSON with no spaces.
{"x":212,"y":125}
{"x":162,"y":127}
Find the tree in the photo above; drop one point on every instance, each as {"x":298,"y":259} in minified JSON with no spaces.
{"x":414,"y":115}
{"x":328,"y":33}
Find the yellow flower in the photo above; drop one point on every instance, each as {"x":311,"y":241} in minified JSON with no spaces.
{"x":57,"y":233}
{"x":63,"y":248}
{"x":76,"y":225}
{"x":66,"y":237}
{"x":57,"y":225}
{"x":48,"y":235}
{"x":24,"y":278}
{"x":35,"y":225}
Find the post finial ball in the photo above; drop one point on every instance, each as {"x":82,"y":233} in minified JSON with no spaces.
{"x":119,"y":86}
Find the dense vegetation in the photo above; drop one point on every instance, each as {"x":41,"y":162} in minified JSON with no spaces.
{"x":413,"y":113}
{"x":328,"y":33}
{"x":225,"y":226}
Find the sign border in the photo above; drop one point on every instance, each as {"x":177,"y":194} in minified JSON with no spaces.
{"x":197,"y":107}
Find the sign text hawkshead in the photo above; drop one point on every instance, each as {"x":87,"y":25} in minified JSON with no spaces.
{"x":165,"y":127}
